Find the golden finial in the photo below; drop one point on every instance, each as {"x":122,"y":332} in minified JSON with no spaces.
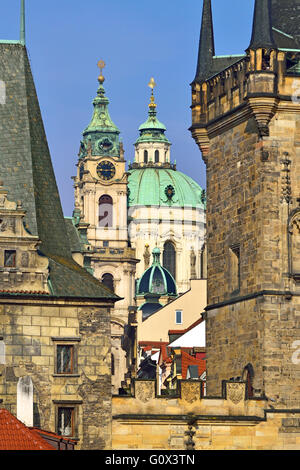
{"x":101,"y":64}
{"x":151,"y":85}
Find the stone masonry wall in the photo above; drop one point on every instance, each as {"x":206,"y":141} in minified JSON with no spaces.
{"x":30,"y":331}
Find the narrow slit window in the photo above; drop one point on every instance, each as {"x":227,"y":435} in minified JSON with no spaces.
{"x":235,"y":268}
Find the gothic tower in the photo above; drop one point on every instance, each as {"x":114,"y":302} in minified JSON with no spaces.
{"x":246,"y":122}
{"x":101,"y":208}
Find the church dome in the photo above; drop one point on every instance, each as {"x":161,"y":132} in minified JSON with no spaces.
{"x":156,"y":279}
{"x":163,"y":187}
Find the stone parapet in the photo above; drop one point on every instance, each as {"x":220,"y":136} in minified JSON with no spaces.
{"x":229,"y":422}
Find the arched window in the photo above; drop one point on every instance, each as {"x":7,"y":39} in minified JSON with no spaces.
{"x":145,"y":156}
{"x":156,"y":156}
{"x":105,"y":211}
{"x":108,"y":281}
{"x":248,"y":375}
{"x":169,"y":258}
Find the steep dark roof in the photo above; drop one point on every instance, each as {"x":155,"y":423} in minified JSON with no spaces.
{"x":262,"y":34}
{"x":283,"y":40}
{"x":206,"y":43}
{"x":27,"y":172}
{"x":286,"y":18}
{"x":73,"y":235}
{"x":222,"y":63}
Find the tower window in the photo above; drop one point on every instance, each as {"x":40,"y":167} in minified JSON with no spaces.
{"x":145,"y":156}
{"x":169,"y":258}
{"x":108,"y":281}
{"x":81,"y":171}
{"x":65,"y":359}
{"x":105,"y":211}
{"x":65,"y":421}
{"x":156,"y":156}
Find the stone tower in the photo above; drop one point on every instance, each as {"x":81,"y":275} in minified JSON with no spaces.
{"x":101,"y":207}
{"x":246,"y":122}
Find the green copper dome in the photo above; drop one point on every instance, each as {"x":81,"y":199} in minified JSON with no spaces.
{"x":156,"y":280}
{"x":163,"y":187}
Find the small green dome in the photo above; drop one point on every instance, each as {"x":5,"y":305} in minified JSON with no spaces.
{"x":163,"y":187}
{"x":152,"y":130}
{"x":156,"y":279}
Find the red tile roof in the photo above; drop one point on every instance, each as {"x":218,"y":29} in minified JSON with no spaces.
{"x":156,"y":345}
{"x":188,"y":360}
{"x":14,"y":435}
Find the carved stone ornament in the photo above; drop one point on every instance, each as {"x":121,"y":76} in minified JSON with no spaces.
{"x":235,"y":392}
{"x":24,"y":260}
{"x":190,"y":391}
{"x":7,"y":224}
{"x":144,"y":391}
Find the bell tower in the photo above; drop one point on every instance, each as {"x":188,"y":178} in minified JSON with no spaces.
{"x":246,"y":122}
{"x":101,"y":209}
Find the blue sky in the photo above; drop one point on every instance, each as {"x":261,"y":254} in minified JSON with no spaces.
{"x":137,"y":39}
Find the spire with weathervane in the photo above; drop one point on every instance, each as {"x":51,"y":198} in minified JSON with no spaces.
{"x":101,"y":137}
{"x":152,"y":148}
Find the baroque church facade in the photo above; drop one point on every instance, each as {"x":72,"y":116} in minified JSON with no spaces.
{"x":124,"y":216}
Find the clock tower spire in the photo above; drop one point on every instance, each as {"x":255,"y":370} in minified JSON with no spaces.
{"x":101,"y":209}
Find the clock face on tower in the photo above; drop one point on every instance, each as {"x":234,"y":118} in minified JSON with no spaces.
{"x":106,"y":170}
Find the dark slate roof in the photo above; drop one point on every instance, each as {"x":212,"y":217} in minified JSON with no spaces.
{"x":262,"y":34}
{"x":222,"y":63}
{"x":286,"y":18}
{"x":73,"y":235}
{"x":27,"y":172}
{"x":283,"y":40}
{"x":206,"y":43}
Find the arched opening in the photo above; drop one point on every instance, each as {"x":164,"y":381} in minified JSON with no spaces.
{"x":248,"y":375}
{"x":108,"y":280}
{"x":169,"y":258}
{"x":145,"y":156}
{"x":105,"y":211}
{"x":156,"y":156}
